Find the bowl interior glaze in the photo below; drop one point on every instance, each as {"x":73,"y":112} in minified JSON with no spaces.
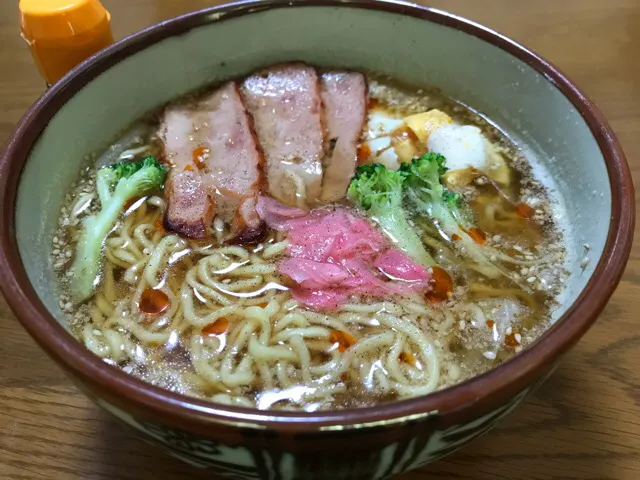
{"x":155,"y":66}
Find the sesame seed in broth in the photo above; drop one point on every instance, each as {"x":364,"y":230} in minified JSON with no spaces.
{"x":197,"y":330}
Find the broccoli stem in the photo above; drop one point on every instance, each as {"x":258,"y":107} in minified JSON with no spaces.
{"x":396,"y":226}
{"x":447,"y":223}
{"x":103,"y":189}
{"x":87,"y":263}
{"x":132,"y":180}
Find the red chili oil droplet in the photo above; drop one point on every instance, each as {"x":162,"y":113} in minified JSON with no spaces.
{"x":263,"y":304}
{"x":188,"y":168}
{"x":511,"y":341}
{"x":343,"y":339}
{"x":153,"y":302}
{"x":364,"y":152}
{"x":200,"y":156}
{"x":477,"y":235}
{"x":158,"y":225}
{"x":218,"y":327}
{"x":491,"y":324}
{"x":441,"y":285}
{"x":407,"y":357}
{"x":455,"y":237}
{"x":524,"y":211}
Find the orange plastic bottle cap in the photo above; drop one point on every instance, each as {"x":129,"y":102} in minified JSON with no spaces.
{"x":63,"y":33}
{"x":43,"y":19}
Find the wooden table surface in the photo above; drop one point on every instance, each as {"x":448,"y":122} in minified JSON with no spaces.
{"x":582,"y":424}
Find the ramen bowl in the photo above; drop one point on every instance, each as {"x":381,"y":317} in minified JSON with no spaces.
{"x":514,"y":87}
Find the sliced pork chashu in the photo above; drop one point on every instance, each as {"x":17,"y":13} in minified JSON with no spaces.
{"x":344,"y":96}
{"x":190,"y":209}
{"x":231,"y":161}
{"x":285,"y":104}
{"x":216,"y":145}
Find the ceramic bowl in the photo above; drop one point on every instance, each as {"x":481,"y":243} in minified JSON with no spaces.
{"x":520,"y":91}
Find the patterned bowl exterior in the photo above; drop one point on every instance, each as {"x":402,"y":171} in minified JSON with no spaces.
{"x":366,"y":452}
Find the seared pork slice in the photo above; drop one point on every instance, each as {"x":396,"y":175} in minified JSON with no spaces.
{"x":212,"y":140}
{"x":230,"y":160}
{"x":190,"y":209}
{"x":247,"y":226}
{"x":285,"y":104}
{"x":344,"y":96}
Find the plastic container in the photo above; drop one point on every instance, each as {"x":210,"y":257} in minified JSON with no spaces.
{"x":63,"y":33}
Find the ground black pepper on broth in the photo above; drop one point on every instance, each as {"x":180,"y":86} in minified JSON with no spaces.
{"x":472,"y":323}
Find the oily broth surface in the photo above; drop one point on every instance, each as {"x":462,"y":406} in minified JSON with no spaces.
{"x":523,"y":238}
{"x":484,"y":323}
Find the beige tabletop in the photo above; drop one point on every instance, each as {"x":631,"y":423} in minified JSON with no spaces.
{"x":584,"y":423}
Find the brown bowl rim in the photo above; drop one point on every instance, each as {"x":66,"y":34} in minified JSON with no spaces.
{"x":480,"y":393}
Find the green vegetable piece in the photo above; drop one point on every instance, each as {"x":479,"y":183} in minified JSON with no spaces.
{"x":424,"y":189}
{"x":116,"y":186}
{"x":379,"y":191}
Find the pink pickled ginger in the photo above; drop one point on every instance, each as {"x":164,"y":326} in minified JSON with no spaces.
{"x":334,"y":254}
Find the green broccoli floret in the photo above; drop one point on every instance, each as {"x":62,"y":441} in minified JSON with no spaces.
{"x":116,"y":185}
{"x":424,"y":189}
{"x":379,"y":191}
